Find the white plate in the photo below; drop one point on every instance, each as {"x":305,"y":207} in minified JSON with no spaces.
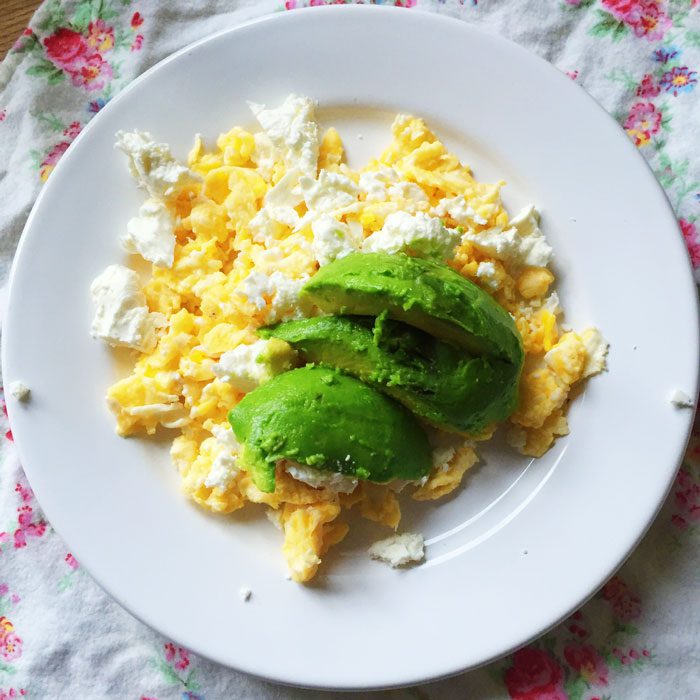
{"x":523,"y":543}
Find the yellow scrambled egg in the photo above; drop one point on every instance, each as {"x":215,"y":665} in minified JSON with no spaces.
{"x":175,"y":386}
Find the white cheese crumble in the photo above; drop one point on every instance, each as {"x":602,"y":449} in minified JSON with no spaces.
{"x":121,"y":315}
{"x":523,"y":244}
{"x":281,"y":199}
{"x":264,"y":228}
{"x":330,"y":192}
{"x":320,"y":479}
{"x":151,"y":234}
{"x":419,"y":233}
{"x":152,"y":164}
{"x":245,"y":594}
{"x":442,"y":456}
{"x":375,"y":183}
{"x":19,"y":391}
{"x":224,"y":467}
{"x":458,"y":210}
{"x":293,"y":131}
{"x":264,"y":155}
{"x":681,"y":400}
{"x":596,"y":351}
{"x":399,"y":550}
{"x":486,"y":272}
{"x":243,"y":366}
{"x":276,"y":292}
{"x":333,"y":239}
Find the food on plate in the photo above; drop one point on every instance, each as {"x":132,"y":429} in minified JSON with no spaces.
{"x":318,"y":417}
{"x":322,"y":338}
{"x":681,"y":400}
{"x":20,"y":391}
{"x":433,"y":379}
{"x":399,"y":550}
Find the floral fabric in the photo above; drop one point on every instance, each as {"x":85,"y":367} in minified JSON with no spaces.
{"x":62,"y":637}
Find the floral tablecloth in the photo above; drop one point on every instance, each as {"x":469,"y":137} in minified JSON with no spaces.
{"x":62,"y":637}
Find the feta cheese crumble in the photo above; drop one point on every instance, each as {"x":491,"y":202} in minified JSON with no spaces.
{"x":419,"y":233}
{"x":276,"y":292}
{"x":681,"y":400}
{"x":151,"y":234}
{"x":121,"y":315}
{"x":399,"y":550}
{"x":245,"y":593}
{"x":330,"y":192}
{"x":293,"y":131}
{"x":523,"y":244}
{"x":152,"y":164}
{"x":19,"y":391}
{"x":319,"y":479}
{"x":333,"y":239}
{"x":243,"y":366}
{"x":224,"y":468}
{"x":486,"y":272}
{"x":458,"y":210}
{"x":596,"y":351}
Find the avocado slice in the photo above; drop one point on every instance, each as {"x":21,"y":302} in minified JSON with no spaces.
{"x":327,"y":420}
{"x":422,"y":293}
{"x":435,"y":380}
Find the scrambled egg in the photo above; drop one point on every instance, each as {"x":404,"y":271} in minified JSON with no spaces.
{"x":244,"y":243}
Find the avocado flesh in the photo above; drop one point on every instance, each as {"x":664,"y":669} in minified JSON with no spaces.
{"x":435,"y":380}
{"x":321,"y":418}
{"x":422,"y":293}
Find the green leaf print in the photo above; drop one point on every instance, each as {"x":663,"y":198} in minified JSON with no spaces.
{"x":608,"y":25}
{"x":49,"y":120}
{"x":85,"y":13}
{"x":6,"y":668}
{"x":54,"y":16}
{"x":576,"y":688}
{"x":620,"y":75}
{"x":191,"y":681}
{"x":47,"y":70}
{"x":692,"y":38}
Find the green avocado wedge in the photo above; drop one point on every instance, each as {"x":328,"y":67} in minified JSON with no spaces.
{"x":324,"y":419}
{"x":422,"y":293}
{"x":448,"y":388}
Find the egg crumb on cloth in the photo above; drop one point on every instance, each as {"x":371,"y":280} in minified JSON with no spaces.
{"x":233,"y":237}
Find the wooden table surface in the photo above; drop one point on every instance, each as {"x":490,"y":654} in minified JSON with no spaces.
{"x":14,"y":17}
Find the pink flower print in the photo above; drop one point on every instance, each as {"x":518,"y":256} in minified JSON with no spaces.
{"x":648,"y":87}
{"x":575,"y":3}
{"x":137,"y":43}
{"x":136,"y":20}
{"x":93,"y":74}
{"x":643,"y":121}
{"x":49,"y":162}
{"x":72,"y":561}
{"x":11,"y":693}
{"x":679,"y":79}
{"x":586,"y":661}
{"x":620,"y":8}
{"x":72,"y":130}
{"x":3,"y":115}
{"x":649,"y":20}
{"x":66,"y":48}
{"x":573,"y":74}
{"x":100,"y":36}
{"x":177,"y":657}
{"x":680,"y":522}
{"x":626,"y":606}
{"x":184,"y":661}
{"x":10,"y":643}
{"x":690,"y":234}
{"x":534,"y":675}
{"x":4,"y":588}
